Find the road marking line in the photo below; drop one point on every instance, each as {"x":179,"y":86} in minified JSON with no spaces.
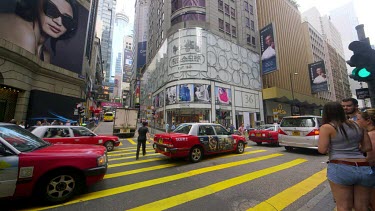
{"x":288,"y":196}
{"x":132,"y":157}
{"x":100,"y":123}
{"x":131,"y":141}
{"x":216,"y":187}
{"x":153,"y":182}
{"x":126,"y":153}
{"x":136,"y":171}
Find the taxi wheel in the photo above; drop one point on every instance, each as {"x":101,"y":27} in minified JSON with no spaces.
{"x":240,"y":147}
{"x":196,"y":154}
{"x":109,"y":145}
{"x":60,"y":186}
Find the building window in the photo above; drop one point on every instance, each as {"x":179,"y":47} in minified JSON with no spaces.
{"x":252,"y":25}
{"x":220,"y":5}
{"x":178,"y":4}
{"x":248,"y":39}
{"x":233,"y":12}
{"x":226,"y":9}
{"x":246,"y":6}
{"x":234,"y":31}
{"x":253,"y":40}
{"x":189,"y":16}
{"x":251,"y":9}
{"x":227,"y":27}
{"x":247,"y":22}
{"x":221,"y":24}
{"x":162,"y":35}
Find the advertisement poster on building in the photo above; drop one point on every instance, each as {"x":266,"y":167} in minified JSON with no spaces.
{"x":202,"y":93}
{"x":268,"y":47}
{"x":25,"y":24}
{"x":161,"y":99}
{"x":185,"y":93}
{"x":171,"y":95}
{"x":318,"y":77}
{"x":223,"y":96}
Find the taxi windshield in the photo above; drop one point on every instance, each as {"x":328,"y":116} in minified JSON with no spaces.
{"x":20,"y":138}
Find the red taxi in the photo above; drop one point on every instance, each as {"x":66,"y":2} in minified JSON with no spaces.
{"x":265,"y":133}
{"x":61,"y":134}
{"x":30,"y":166}
{"x":194,"y":140}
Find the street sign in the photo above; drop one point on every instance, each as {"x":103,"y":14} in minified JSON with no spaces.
{"x":362,"y":93}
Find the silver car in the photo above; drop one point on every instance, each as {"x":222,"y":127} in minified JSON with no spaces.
{"x":299,"y":132}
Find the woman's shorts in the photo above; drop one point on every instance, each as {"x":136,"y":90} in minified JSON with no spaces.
{"x":351,"y":175}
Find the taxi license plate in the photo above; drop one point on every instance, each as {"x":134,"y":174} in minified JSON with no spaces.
{"x":258,"y":135}
{"x":296,"y":133}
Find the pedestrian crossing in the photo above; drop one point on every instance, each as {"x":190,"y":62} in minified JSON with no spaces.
{"x":214,"y":176}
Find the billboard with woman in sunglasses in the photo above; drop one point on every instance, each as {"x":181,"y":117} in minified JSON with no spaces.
{"x":38,"y":26}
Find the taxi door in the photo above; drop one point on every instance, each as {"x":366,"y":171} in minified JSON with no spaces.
{"x":208,"y":138}
{"x":8,"y":171}
{"x":225,"y":140}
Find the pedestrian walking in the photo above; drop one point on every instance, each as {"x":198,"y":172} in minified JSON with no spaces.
{"x":366,"y":119}
{"x":22,"y":124}
{"x":143,"y":135}
{"x":241,"y":129}
{"x":173,"y":126}
{"x":345,"y":142}
{"x":166,"y":127}
{"x":231,"y":128}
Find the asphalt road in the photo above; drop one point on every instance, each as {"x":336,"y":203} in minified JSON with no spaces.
{"x":263,"y":178}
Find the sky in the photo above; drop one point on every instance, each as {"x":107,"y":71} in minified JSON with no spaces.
{"x":365,"y":10}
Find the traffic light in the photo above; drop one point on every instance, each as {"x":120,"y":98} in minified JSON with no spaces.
{"x":363,"y":60}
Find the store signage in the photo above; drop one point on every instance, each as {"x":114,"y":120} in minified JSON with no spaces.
{"x":362,"y":93}
{"x":279,"y":110}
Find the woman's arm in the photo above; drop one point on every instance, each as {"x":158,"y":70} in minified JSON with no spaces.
{"x":324,"y":138}
{"x":366,"y":145}
{"x":371,"y":154}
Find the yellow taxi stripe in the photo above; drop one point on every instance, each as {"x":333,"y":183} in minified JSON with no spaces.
{"x":130,"y":157}
{"x":131,"y":141}
{"x":216,"y":187}
{"x":127,"y":153}
{"x":288,"y":196}
{"x":148,"y":183}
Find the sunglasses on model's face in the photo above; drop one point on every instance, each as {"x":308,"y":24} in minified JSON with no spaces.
{"x":51,"y":10}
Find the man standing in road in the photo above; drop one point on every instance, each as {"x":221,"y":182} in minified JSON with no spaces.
{"x":350,"y":106}
{"x":143,"y":135}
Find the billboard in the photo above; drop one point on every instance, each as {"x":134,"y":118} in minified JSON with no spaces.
{"x":202,"y":93}
{"x":268,"y":49}
{"x":141,"y":54}
{"x":185,"y":93}
{"x":171,"y":95}
{"x":161,"y":99}
{"x":223,"y":96}
{"x":318,"y":77}
{"x":55,"y":34}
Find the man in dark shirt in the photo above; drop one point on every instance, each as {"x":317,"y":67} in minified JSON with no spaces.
{"x":143,"y":135}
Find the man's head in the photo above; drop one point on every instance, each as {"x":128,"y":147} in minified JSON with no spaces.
{"x":269,"y":40}
{"x":350,"y":106}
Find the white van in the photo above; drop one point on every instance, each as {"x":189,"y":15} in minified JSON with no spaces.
{"x":299,"y":132}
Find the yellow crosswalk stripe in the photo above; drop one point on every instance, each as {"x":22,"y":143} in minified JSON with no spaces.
{"x":157,"y":181}
{"x":136,"y":171}
{"x":133,"y":157}
{"x":127,"y":153}
{"x":216,"y":187}
{"x":285,"y":198}
{"x":131,"y":141}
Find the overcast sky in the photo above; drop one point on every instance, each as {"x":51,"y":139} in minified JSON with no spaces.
{"x":365,"y":10}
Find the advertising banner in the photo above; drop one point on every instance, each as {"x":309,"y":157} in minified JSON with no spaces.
{"x":171,"y":95}
{"x":202,"y":93}
{"x":161,"y":99}
{"x":141,"y":54}
{"x":185,"y":93}
{"x":318,"y":77}
{"x":54,"y":40}
{"x":268,"y":49}
{"x":223,"y":96}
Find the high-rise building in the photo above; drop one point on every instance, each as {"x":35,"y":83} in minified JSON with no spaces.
{"x":345,"y":20}
{"x":202,"y":62}
{"x":121,"y":29}
{"x":287,"y":81}
{"x":106,"y":15}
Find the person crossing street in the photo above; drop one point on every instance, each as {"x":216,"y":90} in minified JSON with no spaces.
{"x":143,"y":136}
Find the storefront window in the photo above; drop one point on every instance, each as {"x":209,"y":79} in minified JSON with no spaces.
{"x":178,"y":4}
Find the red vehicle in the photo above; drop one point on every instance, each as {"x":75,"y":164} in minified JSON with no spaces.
{"x":55,"y":173}
{"x":265,"y":133}
{"x":61,"y":134}
{"x":194,"y":140}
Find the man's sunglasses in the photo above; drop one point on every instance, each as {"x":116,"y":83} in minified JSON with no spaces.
{"x":51,"y":10}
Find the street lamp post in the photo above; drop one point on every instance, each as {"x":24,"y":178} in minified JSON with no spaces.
{"x":292,"y":90}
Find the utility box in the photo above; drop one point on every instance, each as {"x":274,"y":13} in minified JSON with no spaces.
{"x":125,"y":122}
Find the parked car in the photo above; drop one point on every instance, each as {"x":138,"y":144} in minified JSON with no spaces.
{"x":55,"y":173}
{"x":62,"y":134}
{"x":300,"y":132}
{"x":265,"y":133}
{"x":194,"y":140}
{"x":108,"y":116}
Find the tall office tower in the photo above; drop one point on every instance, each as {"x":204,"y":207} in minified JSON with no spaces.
{"x":345,"y":19}
{"x":325,"y":45}
{"x":121,"y":29}
{"x":106,"y":15}
{"x":287,"y":78}
{"x":202,"y":62}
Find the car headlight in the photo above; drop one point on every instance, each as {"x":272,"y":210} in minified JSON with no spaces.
{"x":102,"y":160}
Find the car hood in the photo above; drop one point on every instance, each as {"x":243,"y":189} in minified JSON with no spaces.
{"x":68,"y":149}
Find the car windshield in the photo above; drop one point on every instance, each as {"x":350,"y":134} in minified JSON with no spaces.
{"x":267,"y":127}
{"x":298,"y":122}
{"x":20,"y":138}
{"x":184,"y":128}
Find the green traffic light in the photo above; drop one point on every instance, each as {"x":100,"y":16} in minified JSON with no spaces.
{"x":363,"y":72}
